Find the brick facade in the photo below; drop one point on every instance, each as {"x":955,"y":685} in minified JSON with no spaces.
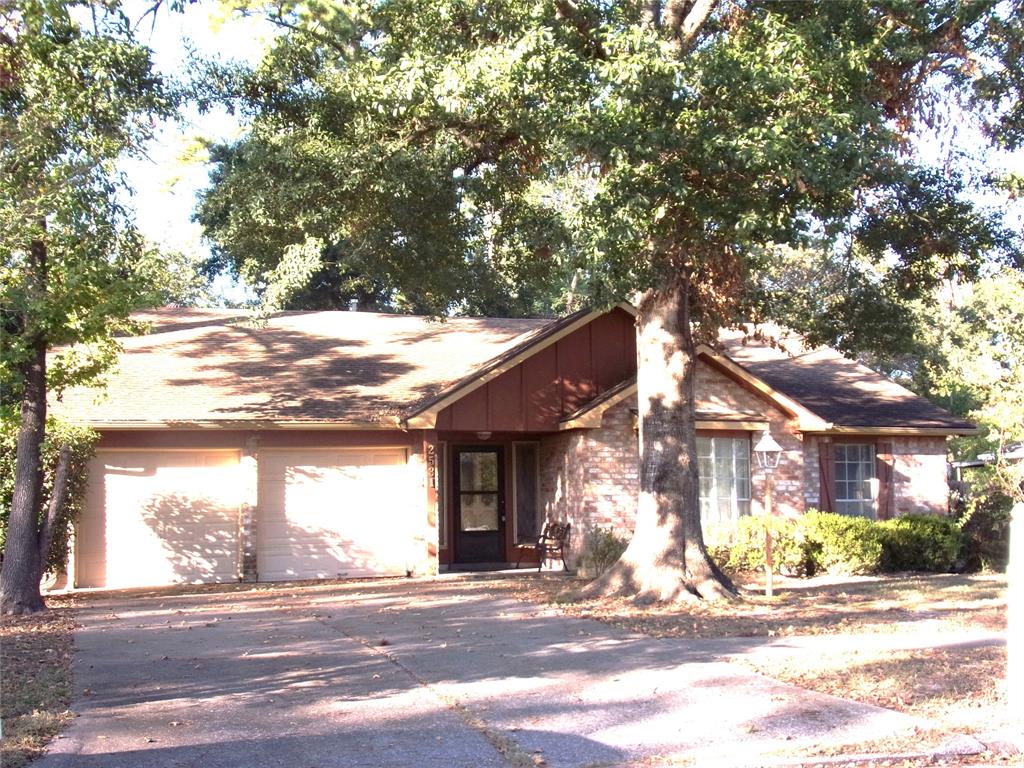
{"x":718,"y":393}
{"x":589,"y":477}
{"x":920,"y":479}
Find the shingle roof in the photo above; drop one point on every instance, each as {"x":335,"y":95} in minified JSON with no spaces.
{"x":224,"y":367}
{"x":839,"y":390}
{"x":343,"y":367}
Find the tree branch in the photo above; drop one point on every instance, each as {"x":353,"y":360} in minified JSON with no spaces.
{"x":686,"y":18}
{"x":569,"y":11}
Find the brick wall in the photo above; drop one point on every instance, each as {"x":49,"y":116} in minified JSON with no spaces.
{"x":718,"y":393}
{"x":590,"y":477}
{"x":920,"y":483}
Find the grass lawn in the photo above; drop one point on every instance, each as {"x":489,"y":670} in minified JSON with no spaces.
{"x":35,"y":680}
{"x":959,"y":689}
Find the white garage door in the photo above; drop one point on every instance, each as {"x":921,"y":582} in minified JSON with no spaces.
{"x":159,"y":517}
{"x":327,"y":514}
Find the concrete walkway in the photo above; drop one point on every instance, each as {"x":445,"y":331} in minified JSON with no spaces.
{"x":422,"y":673}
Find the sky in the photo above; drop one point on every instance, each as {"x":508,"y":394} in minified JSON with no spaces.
{"x":166,"y":190}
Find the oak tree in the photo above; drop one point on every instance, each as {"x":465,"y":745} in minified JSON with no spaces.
{"x":671,"y":151}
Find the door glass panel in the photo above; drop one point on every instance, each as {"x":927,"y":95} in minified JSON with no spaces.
{"x":479,"y":511}
{"x":478,"y":471}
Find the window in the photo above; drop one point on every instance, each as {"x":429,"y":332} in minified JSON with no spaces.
{"x":723,"y":464}
{"x":855,"y":479}
{"x":528,"y":522}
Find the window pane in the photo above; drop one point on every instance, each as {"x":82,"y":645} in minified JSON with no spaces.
{"x":527,"y":508}
{"x":479,"y":511}
{"x":478,"y":471}
{"x":855,"y":472}
{"x":724,"y":467}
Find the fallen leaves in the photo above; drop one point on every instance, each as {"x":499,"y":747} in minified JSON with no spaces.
{"x":35,"y":678}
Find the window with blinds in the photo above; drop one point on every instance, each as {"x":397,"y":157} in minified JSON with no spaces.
{"x":724,"y":467}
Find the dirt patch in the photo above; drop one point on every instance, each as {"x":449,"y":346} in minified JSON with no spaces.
{"x":36,"y":680}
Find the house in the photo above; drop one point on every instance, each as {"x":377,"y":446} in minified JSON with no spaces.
{"x":334,"y":444}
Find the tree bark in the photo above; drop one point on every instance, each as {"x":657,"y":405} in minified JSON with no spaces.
{"x":666,"y":560}
{"x":57,"y":501}
{"x":20,"y":574}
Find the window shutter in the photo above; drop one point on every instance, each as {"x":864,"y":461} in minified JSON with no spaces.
{"x":827,"y":475}
{"x":884,"y":470}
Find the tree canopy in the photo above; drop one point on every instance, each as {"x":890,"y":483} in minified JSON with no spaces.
{"x":681,"y":152}
{"x":76,"y":94}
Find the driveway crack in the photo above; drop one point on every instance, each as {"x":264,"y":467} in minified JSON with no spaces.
{"x":510,"y":751}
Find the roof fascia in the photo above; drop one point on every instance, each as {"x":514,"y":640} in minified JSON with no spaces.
{"x":904,"y":431}
{"x":592,"y":418}
{"x":112,"y":426}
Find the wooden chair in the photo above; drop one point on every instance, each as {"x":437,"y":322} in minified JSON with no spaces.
{"x":553,"y":540}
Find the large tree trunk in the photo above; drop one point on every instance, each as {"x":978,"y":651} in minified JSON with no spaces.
{"x":20,"y":575}
{"x":666,"y":559}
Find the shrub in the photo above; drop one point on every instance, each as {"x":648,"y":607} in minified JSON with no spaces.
{"x":920,"y":543}
{"x":602,"y":547}
{"x":986,"y":531}
{"x":58,"y":434}
{"x":842,"y":544}
{"x":740,"y":547}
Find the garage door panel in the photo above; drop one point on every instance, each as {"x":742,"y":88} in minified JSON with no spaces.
{"x":160,"y":518}
{"x":333,"y":513}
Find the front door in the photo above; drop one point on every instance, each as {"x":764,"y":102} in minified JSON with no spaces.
{"x":479,"y":501}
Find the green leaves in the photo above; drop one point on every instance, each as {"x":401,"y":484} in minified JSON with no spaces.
{"x":444,"y":151}
{"x":72,"y":101}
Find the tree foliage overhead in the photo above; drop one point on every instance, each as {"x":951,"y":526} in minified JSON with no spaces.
{"x":73,"y":100}
{"x":426,"y":144}
{"x":684,"y":151}
{"x":76,"y":94}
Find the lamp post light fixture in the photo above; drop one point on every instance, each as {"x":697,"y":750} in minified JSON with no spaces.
{"x":767,"y":452}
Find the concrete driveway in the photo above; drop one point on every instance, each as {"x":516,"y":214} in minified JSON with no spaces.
{"x":414,"y":673}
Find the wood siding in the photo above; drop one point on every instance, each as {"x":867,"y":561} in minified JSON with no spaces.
{"x":536,"y":394}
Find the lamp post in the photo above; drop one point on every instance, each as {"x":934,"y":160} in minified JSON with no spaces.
{"x":768,"y":452}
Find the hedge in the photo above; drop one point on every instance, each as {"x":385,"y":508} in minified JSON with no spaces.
{"x":59,"y":433}
{"x":841,"y":544}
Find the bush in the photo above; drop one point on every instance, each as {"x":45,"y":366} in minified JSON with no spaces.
{"x":601,"y":550}
{"x":842,"y":544}
{"x":58,"y":434}
{"x":740,"y":547}
{"x":920,"y":543}
{"x":986,"y":531}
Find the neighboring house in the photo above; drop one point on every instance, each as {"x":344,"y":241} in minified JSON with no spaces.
{"x":332,"y":444}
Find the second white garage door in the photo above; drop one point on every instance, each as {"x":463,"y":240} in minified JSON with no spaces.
{"x":327,"y":514}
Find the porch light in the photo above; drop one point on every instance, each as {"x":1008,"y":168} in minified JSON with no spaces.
{"x":767,"y":452}
{"x":483,"y":435}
